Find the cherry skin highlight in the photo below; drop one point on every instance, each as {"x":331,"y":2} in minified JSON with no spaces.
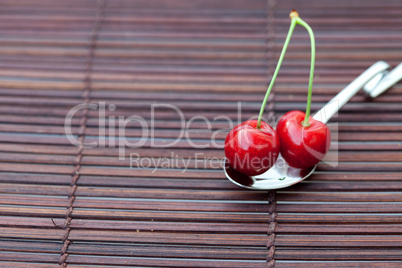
{"x":301,"y":146}
{"x":250,"y":150}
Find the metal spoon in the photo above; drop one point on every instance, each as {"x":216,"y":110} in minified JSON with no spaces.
{"x":281,"y":174}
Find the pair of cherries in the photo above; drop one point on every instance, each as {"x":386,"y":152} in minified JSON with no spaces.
{"x":254,"y":146}
{"x":253,"y":150}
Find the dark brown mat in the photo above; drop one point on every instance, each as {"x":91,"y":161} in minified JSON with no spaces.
{"x":83,"y":207}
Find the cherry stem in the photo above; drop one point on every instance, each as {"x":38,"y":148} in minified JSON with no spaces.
{"x":295,"y":19}
{"x":299,"y":21}
{"x":278,"y":66}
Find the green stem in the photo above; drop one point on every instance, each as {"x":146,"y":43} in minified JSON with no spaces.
{"x":278,"y":66}
{"x":295,"y":19}
{"x":299,"y":21}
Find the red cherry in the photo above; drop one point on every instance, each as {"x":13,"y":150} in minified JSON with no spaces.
{"x":250,"y":150}
{"x":302,"y":146}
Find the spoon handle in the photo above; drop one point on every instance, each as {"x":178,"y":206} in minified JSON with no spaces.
{"x":333,"y":106}
{"x":387,"y":81}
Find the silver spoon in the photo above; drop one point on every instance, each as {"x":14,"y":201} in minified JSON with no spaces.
{"x":281,"y":174}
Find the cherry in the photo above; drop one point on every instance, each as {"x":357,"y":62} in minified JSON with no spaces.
{"x":254,"y":140}
{"x":251,"y":150}
{"x":302,"y":146}
{"x":304,"y":140}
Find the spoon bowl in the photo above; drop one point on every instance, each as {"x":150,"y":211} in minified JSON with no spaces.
{"x":278,"y":176}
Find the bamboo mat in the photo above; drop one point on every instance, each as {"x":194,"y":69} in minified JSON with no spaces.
{"x":69,"y":206}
